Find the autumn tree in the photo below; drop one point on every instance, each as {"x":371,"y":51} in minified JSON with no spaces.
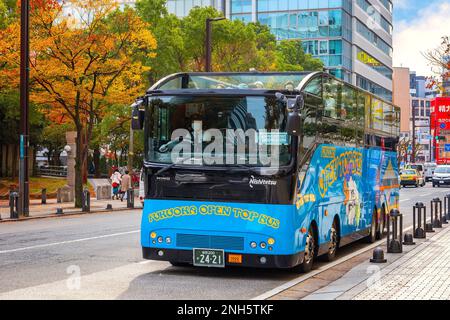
{"x":83,"y":59}
{"x":439,"y":60}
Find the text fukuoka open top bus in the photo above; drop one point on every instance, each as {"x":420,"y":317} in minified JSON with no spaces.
{"x":263,"y":169}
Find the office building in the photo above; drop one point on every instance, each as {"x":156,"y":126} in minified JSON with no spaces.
{"x":352,"y":38}
{"x":414,"y":99}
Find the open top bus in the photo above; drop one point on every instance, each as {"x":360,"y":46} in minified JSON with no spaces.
{"x":263,"y":169}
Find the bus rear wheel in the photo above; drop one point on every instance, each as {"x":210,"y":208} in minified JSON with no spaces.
{"x":382,"y":229}
{"x":372,"y":237}
{"x":334,"y":242}
{"x":310,"y":252}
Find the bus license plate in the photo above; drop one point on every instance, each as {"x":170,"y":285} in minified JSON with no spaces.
{"x":209,"y":258}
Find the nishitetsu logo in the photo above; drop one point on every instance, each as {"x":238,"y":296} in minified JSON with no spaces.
{"x":264,"y":182}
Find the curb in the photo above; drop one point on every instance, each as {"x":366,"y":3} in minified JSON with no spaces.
{"x":72,"y":213}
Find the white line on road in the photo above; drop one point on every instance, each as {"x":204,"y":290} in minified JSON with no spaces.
{"x":404,"y":200}
{"x":70,"y":241}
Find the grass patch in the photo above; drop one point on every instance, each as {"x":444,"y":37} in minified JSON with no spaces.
{"x":36,"y":186}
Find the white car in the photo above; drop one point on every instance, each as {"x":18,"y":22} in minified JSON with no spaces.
{"x":441,"y":176}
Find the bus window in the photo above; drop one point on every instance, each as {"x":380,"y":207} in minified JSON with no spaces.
{"x":360,"y":110}
{"x":388,"y":118}
{"x":348,"y":111}
{"x":332,"y":97}
{"x":314,"y":87}
{"x":376,"y":113}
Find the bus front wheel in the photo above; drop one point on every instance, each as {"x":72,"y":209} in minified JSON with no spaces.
{"x":310,"y":252}
{"x":180,"y":264}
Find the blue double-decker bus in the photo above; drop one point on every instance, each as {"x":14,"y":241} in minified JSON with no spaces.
{"x":267,"y":170}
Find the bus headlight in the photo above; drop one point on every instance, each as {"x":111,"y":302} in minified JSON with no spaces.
{"x":271,"y":241}
{"x":160,"y":239}
{"x":168,"y":240}
{"x":263,"y":245}
{"x":253,"y":245}
{"x":153,"y":235}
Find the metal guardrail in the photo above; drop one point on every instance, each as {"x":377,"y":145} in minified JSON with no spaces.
{"x":52,"y":171}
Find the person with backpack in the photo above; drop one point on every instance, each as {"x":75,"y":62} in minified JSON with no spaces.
{"x":116,"y":179}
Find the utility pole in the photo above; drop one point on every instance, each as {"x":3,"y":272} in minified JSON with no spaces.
{"x":208,"y":41}
{"x":24,"y":110}
{"x":413,"y":148}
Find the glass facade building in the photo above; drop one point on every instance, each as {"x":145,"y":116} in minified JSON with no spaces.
{"x":353,"y":38}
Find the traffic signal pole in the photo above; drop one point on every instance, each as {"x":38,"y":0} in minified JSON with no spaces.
{"x":24,"y":110}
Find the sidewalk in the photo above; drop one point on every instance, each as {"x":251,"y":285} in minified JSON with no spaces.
{"x":38,"y":210}
{"x":421,"y":272}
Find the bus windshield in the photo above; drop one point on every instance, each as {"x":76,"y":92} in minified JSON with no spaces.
{"x":217,"y":130}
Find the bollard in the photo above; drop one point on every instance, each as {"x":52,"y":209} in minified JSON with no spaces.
{"x":13,"y":205}
{"x":59,"y":211}
{"x":447,"y":206}
{"x":44,"y":196}
{"x":109,"y":206}
{"x":378,"y":256}
{"x":394,"y":242}
{"x":130,"y":198}
{"x":408,"y":240}
{"x":86,"y":201}
{"x":444,"y":213}
{"x":436,"y":213}
{"x":58,"y":196}
{"x":419,"y":218}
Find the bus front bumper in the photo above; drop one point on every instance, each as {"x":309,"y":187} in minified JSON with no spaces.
{"x":248,"y":260}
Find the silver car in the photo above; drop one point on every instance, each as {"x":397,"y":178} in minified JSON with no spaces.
{"x":441,"y":176}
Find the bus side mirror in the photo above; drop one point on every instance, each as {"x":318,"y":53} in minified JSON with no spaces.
{"x":294,"y":120}
{"x":137,"y":115}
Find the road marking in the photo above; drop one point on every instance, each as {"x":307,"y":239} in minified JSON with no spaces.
{"x":70,"y":241}
{"x":305,"y":277}
{"x":404,"y":200}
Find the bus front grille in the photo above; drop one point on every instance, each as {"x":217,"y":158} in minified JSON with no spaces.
{"x":209,"y":242}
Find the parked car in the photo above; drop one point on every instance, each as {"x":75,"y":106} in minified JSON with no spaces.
{"x":411,"y":177}
{"x":441,"y":176}
{"x":429,"y":168}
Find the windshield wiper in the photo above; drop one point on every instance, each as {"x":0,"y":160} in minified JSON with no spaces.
{"x":170,"y":166}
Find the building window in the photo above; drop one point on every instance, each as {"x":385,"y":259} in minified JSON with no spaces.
{"x":371,"y":11}
{"x":374,"y":88}
{"x":373,"y":63}
{"x":373,"y":38}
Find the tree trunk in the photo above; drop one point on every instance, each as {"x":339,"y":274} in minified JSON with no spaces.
{"x":97,"y":162}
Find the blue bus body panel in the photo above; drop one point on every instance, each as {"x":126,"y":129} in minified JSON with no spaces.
{"x":229,"y":226}
{"x":340,"y":181}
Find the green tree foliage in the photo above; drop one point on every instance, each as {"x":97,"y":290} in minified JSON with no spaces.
{"x":236,"y":46}
{"x":53,"y":138}
{"x":10,"y":117}
{"x":292,"y":57}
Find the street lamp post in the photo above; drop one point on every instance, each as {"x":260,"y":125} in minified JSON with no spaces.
{"x":208,"y":42}
{"x":24,"y":110}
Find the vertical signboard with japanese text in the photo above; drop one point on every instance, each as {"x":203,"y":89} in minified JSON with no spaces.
{"x":440,"y":128}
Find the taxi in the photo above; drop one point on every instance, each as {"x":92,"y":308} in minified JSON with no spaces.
{"x":411,"y":177}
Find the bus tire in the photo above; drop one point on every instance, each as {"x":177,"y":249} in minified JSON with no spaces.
{"x":310,"y":252}
{"x":180,"y":264}
{"x":334,"y":242}
{"x":372,"y":237}
{"x":382,"y":226}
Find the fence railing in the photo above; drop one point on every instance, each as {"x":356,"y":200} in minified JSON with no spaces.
{"x":53,"y":171}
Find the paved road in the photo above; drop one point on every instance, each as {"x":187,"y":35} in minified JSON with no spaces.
{"x":43,"y":258}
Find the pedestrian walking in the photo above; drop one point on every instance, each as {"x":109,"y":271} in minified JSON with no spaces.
{"x":116,"y":179}
{"x":125,"y":185}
